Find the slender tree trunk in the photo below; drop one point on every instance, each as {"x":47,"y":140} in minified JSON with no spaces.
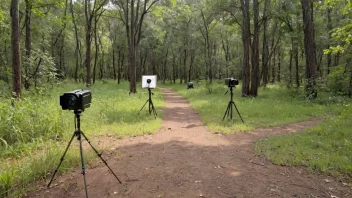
{"x":350,"y":89}
{"x":295,"y":54}
{"x":88,"y":40}
{"x":309,"y":48}
{"x":165,"y":65}
{"x":28,"y":43}
{"x":279,"y":63}
{"x":77,"y":50}
{"x":191,"y":66}
{"x":96,"y":51}
{"x":329,"y":32}
{"x":255,"y":51}
{"x":16,"y":54}
{"x":102,"y":64}
{"x":246,"y":43}
{"x":174,"y":68}
{"x":273,"y":68}
{"x":265,"y":54}
{"x":113,"y":62}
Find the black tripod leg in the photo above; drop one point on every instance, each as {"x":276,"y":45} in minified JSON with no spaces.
{"x":227,"y":111}
{"x":61,"y":159}
{"x":238,"y":111}
{"x":153,"y":109}
{"x":99,"y":155}
{"x":142,"y":107}
{"x":82,"y":162}
{"x":231,"y":111}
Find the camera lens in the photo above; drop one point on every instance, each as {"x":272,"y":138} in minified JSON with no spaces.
{"x":71,"y":101}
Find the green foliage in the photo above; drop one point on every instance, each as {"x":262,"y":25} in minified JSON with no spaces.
{"x":34,"y":130}
{"x":338,"y":81}
{"x":326,"y":148}
{"x":274,"y":106}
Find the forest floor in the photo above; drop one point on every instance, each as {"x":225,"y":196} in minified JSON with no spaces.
{"x":184,"y":159}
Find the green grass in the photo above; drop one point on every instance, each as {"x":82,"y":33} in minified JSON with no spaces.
{"x":274,"y":106}
{"x":35,"y":132}
{"x":326,"y":148}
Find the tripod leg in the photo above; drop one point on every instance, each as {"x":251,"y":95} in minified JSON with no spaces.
{"x":149,"y":106}
{"x":227,"y":111}
{"x":231,"y":111}
{"x":61,"y":159}
{"x":142,"y":107}
{"x":238,"y":111}
{"x":153,"y":109}
{"x":82,"y":161}
{"x":99,"y":155}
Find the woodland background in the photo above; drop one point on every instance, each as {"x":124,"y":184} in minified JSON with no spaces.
{"x":298,"y":43}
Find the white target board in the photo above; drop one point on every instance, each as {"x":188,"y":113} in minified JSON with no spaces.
{"x":149,"y":81}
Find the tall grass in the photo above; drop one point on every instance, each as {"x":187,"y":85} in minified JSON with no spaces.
{"x":34,"y":132}
{"x":275,"y":105}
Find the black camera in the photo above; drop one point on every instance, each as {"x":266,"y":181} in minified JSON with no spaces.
{"x":231,"y":82}
{"x":76,"y":100}
{"x":190,"y":85}
{"x":149,"y":81}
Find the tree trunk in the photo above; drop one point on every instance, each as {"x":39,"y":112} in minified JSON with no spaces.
{"x":329,"y":32}
{"x":165,"y":65}
{"x":77,"y":50}
{"x":174,"y":68}
{"x":265,"y":55}
{"x":246,"y":39}
{"x":279,"y":64}
{"x":350,"y":89}
{"x":88,"y":40}
{"x":273,"y":68}
{"x":16,"y":54}
{"x":28,"y":43}
{"x":255,"y":51}
{"x":309,"y":43}
{"x":190,"y":66}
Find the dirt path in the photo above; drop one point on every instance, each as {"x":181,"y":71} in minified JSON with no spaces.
{"x":185,"y":160}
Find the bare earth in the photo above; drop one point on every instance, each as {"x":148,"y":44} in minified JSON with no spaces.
{"x":185,"y":160}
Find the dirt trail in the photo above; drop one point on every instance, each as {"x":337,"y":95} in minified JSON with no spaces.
{"x":185,"y":160}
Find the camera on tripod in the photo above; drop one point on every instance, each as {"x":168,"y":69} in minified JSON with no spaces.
{"x":76,"y":100}
{"x":231,"y":82}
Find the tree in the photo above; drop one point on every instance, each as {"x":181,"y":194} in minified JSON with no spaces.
{"x":132,"y":14}
{"x":246,"y":40}
{"x":90,"y":14}
{"x":16,"y":54}
{"x":255,"y":51}
{"x":309,"y":47}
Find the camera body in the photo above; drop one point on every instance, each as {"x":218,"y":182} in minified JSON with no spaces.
{"x":76,"y":100}
{"x":231,"y":82}
{"x":190,"y":85}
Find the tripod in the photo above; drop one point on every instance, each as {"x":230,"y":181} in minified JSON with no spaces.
{"x":151,"y":105}
{"x":229,"y":109}
{"x":79,"y":135}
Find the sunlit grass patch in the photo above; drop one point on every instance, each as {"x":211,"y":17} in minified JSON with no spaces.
{"x":326,"y":148}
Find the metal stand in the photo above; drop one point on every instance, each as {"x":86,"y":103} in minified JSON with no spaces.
{"x":79,"y":135}
{"x":151,"y":105}
{"x":229,"y":109}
